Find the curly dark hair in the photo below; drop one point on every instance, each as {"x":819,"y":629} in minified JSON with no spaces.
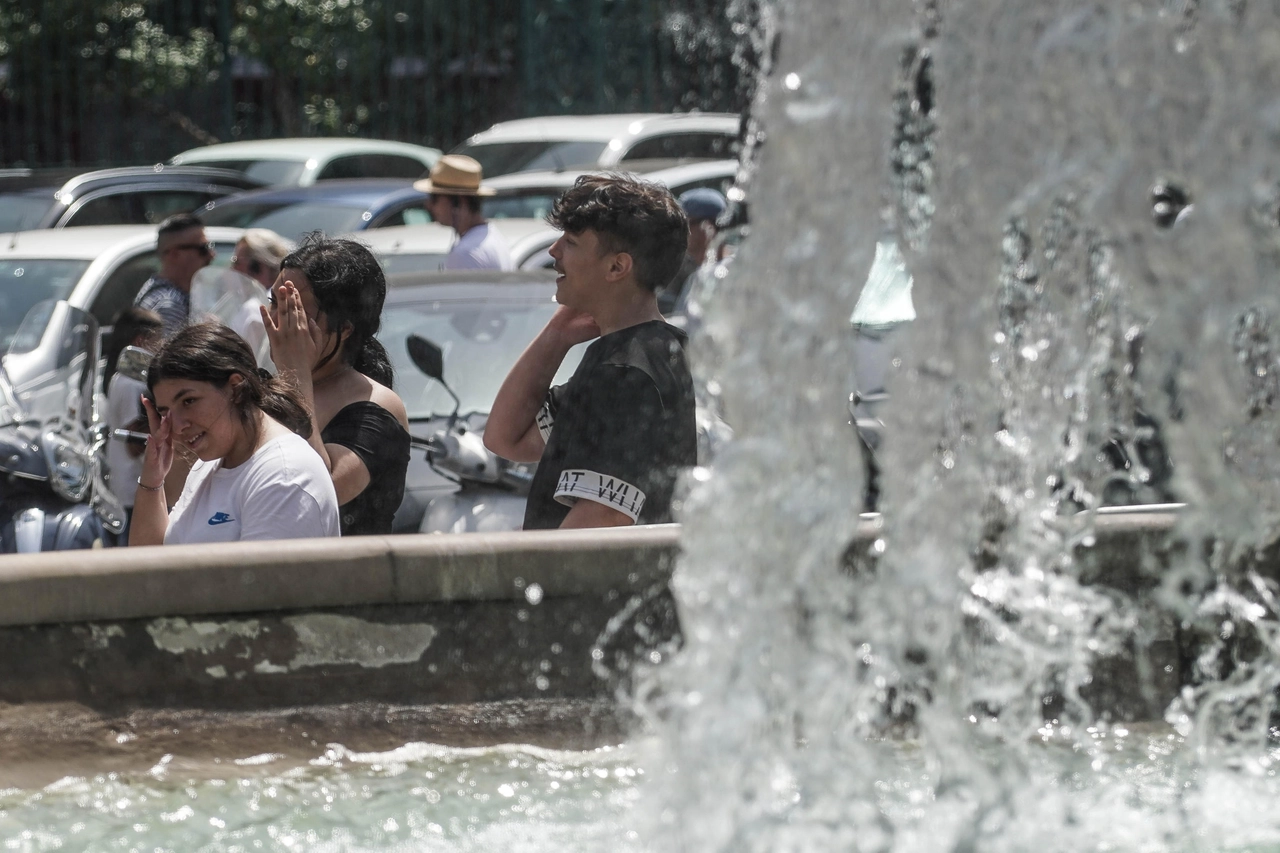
{"x":628,"y":215}
{"x":210,"y":352}
{"x":349,"y":287}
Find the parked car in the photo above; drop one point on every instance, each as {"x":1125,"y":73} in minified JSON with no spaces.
{"x":422,"y":248}
{"x":98,"y":269}
{"x":601,"y":141}
{"x":137,"y":195}
{"x":481,"y":321}
{"x":334,"y":207}
{"x":531,"y":194}
{"x":302,"y":162}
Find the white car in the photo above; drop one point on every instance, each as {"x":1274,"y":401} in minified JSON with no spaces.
{"x":99,"y":269}
{"x":531,"y":194}
{"x":302,"y":162}
{"x":422,"y":248}
{"x":601,"y":141}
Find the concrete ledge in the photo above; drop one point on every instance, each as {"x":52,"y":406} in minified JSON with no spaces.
{"x":130,"y":583}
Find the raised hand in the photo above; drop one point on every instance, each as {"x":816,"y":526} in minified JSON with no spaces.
{"x":573,"y":326}
{"x":158,"y":458}
{"x":296,"y":340}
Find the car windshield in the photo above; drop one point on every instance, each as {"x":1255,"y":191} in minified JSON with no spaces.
{"x":534,"y":205}
{"x":268,"y":171}
{"x":501,"y":158}
{"x":481,"y":339}
{"x":288,"y":220}
{"x":24,"y":283}
{"x":19,"y":211}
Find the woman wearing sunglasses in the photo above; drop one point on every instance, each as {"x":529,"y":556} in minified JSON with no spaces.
{"x":326,"y":308}
{"x":256,"y":476}
{"x":183,"y":250}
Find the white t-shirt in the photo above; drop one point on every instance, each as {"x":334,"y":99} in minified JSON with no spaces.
{"x":283,"y":491}
{"x":247,"y":323}
{"x":123,"y":406}
{"x":481,"y":248}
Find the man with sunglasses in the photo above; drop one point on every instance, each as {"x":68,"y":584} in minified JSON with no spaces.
{"x":183,"y":250}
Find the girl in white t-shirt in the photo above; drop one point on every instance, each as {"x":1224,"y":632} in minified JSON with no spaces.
{"x":256,"y":478}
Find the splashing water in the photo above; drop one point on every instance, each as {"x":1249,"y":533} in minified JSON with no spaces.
{"x":1086,"y":197}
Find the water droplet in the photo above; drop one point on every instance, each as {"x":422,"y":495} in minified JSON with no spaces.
{"x":792,"y":81}
{"x":533,"y":593}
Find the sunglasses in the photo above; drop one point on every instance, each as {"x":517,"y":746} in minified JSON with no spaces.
{"x":202,"y":248}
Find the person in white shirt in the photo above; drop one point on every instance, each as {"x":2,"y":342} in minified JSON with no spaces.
{"x":257,"y":256}
{"x":455,"y":191}
{"x":256,"y":476}
{"x":141,"y":328}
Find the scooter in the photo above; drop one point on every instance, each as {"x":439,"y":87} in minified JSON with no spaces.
{"x":53,"y":492}
{"x":480,"y":490}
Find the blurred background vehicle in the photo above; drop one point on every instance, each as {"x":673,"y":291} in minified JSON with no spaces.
{"x":334,"y":207}
{"x":53,"y":491}
{"x":98,"y":269}
{"x":303,"y":161}
{"x":135,"y":195}
{"x":601,"y":141}
{"x":481,"y":321}
{"x":531,"y":194}
{"x":422,"y":248}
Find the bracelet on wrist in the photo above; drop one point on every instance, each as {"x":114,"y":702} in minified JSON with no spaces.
{"x":142,"y":485}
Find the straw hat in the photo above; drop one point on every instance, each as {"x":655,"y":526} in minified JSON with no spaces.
{"x":454,"y":174}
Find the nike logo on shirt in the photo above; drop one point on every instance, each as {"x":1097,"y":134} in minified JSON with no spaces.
{"x":220,"y":518}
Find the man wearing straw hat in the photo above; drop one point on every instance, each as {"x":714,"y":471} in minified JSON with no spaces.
{"x":454,"y":200}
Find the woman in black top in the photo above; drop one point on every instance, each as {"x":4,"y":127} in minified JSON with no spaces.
{"x":326,"y":307}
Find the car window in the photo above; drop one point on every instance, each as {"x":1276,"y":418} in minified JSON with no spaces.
{"x":24,"y":283}
{"x":410,"y":213}
{"x":681,"y":146}
{"x":158,"y":205}
{"x":501,"y":158}
{"x":372,"y":166}
{"x":289,"y":220}
{"x":534,"y":205}
{"x":135,"y":207}
{"x":19,"y":211}
{"x":267,"y":171}
{"x":480,"y":340}
{"x":116,"y":209}
{"x":118,"y":291}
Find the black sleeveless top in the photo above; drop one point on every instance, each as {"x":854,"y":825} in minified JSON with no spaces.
{"x":373,"y":434}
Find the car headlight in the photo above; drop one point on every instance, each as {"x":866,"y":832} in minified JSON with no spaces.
{"x":69,"y":468}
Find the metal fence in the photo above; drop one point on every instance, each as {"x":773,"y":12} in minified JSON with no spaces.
{"x":112,"y":82}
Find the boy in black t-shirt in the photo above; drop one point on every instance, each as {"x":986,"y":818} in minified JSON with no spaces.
{"x":611,"y":440}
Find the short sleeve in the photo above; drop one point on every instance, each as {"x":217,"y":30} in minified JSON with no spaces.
{"x":546,"y":419}
{"x":622,"y":446}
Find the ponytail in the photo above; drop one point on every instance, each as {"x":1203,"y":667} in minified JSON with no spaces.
{"x":280,"y":399}
{"x":373,"y":361}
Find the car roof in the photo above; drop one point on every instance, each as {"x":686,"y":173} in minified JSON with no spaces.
{"x":89,"y":242}
{"x":302,"y":148}
{"x":463,"y":284}
{"x":355,"y":191}
{"x":666,"y":172}
{"x":602,"y":128}
{"x":159,"y":173}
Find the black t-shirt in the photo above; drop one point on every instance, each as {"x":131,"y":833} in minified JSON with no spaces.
{"x":619,"y":431}
{"x":382,"y":444}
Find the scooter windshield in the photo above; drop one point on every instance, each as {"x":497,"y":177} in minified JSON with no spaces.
{"x":51,"y":362}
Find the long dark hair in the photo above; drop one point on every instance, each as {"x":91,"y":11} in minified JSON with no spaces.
{"x":349,"y":287}
{"x":210,"y":352}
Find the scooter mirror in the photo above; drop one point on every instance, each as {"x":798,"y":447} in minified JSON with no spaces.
{"x":133,"y":363}
{"x":428,"y":357}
